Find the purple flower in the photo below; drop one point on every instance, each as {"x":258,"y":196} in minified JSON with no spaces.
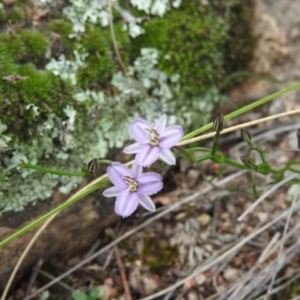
{"x":132,"y":187}
{"x":153,"y":142}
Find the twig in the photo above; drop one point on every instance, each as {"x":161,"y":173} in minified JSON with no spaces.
{"x":93,"y":248}
{"x":113,"y":37}
{"x":46,"y":274}
{"x":123,"y":275}
{"x":135,"y":229}
{"x":33,"y":276}
{"x":269,"y":249}
{"x":240,"y":126}
{"x":265,"y":195}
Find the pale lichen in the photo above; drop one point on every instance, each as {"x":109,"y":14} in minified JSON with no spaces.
{"x":80,"y":107}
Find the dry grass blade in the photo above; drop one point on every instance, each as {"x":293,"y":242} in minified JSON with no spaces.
{"x":137,"y":228}
{"x":267,"y":194}
{"x":208,"y":265}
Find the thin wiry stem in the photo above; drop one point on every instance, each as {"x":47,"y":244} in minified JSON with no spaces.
{"x":264,"y":196}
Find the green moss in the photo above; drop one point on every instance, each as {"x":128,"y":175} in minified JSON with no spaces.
{"x":25,"y":45}
{"x":100,"y":65}
{"x":35,"y":43}
{"x":13,"y":44}
{"x":15,"y":15}
{"x":23,"y":84}
{"x":63,"y":29}
{"x":40,"y":88}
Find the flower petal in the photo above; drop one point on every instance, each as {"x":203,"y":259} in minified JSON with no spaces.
{"x":134,"y":148}
{"x":147,"y":155}
{"x":161,"y":124}
{"x":116,"y":171}
{"x":167,"y":156}
{"x":137,"y":130}
{"x":126,"y":203}
{"x":149,"y":183}
{"x":136,"y":170}
{"x":147,"y":203}
{"x":170,"y":136}
{"x":113,"y":191}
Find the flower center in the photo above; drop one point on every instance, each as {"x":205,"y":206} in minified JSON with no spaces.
{"x":153,"y":137}
{"x":132,"y":183}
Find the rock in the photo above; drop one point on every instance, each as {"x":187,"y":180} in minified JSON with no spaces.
{"x":276,"y":28}
{"x":71,"y":232}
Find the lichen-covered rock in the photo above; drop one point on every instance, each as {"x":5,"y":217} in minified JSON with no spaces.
{"x":64,"y":98}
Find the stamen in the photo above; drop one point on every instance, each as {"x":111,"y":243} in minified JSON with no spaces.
{"x":132,"y":183}
{"x":154,"y":137}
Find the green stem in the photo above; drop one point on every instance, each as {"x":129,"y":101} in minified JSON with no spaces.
{"x":294,"y":170}
{"x":235,"y":164}
{"x":195,"y":149}
{"x":261,"y":153}
{"x":287,"y":167}
{"x":203,"y":158}
{"x":215,"y":144}
{"x":54,"y":211}
{"x":5,"y":173}
{"x":51,"y":171}
{"x":243,"y":110}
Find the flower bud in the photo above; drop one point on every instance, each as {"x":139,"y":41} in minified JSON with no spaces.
{"x":219,"y":122}
{"x":93,"y":165}
{"x":246,"y":136}
{"x":249,"y":162}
